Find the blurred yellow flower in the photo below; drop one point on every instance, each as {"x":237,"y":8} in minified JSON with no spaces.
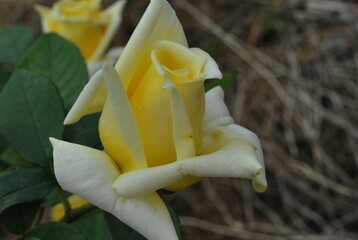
{"x":82,"y":22}
{"x":158,"y":128}
{"x":58,"y":211}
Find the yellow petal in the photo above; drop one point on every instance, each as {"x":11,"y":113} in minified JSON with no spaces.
{"x":118,"y":128}
{"x":178,"y":62}
{"x":159,"y":22}
{"x":184,"y":68}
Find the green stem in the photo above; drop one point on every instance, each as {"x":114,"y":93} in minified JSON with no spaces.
{"x":63,"y":198}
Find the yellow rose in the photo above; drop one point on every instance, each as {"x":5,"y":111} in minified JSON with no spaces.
{"x":158,"y":128}
{"x":82,"y":22}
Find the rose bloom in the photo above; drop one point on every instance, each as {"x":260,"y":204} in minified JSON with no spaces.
{"x":82,"y":22}
{"x":158,"y":128}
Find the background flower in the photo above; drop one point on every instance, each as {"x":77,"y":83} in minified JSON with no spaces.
{"x":83,"y":23}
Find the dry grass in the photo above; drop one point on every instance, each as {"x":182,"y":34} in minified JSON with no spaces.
{"x":297,"y":89}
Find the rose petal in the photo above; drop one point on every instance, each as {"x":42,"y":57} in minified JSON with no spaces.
{"x":216,"y":112}
{"x":159,"y":22}
{"x":237,"y":158}
{"x":182,"y":129}
{"x":118,"y":126}
{"x":90,"y":100}
{"x":211,"y":69}
{"x":143,"y":181}
{"x":177,"y":61}
{"x":90,"y":173}
{"x":87,"y":172}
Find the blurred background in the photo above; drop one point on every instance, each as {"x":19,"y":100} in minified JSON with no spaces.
{"x":295,"y":64}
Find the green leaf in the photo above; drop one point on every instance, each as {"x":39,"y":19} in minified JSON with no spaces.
{"x":14,"y":41}
{"x":3,"y":143}
{"x":11,"y":157}
{"x":23,"y":185}
{"x":55,"y":231}
{"x":60,"y":61}
{"x":93,"y":227}
{"x":18,"y":219}
{"x":120,"y":231}
{"x":31,"y":111}
{"x":85,"y":131}
{"x":176,"y":221}
{"x":4,"y":76}
{"x":223,"y":83}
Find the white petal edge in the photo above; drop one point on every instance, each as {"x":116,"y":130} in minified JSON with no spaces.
{"x":90,"y":173}
{"x":259,"y":182}
{"x":211,"y":68}
{"x":216,"y":112}
{"x":86,"y":172}
{"x":111,"y":57}
{"x":236,"y":159}
{"x":122,"y":109}
{"x":90,"y":100}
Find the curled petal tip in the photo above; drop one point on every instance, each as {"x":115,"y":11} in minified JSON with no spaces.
{"x":259,"y":182}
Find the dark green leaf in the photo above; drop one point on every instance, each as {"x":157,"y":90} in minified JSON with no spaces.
{"x":19,"y":218}
{"x":14,"y":41}
{"x":23,"y":185}
{"x":52,"y":198}
{"x":55,"y":231}
{"x":61,"y":62}
{"x":4,"y":76}
{"x":93,"y":227}
{"x":3,"y":143}
{"x":85,"y":131}
{"x":31,"y":111}
{"x":11,"y":157}
{"x":176,"y":221}
{"x":223,"y":83}
{"x":120,"y":231}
